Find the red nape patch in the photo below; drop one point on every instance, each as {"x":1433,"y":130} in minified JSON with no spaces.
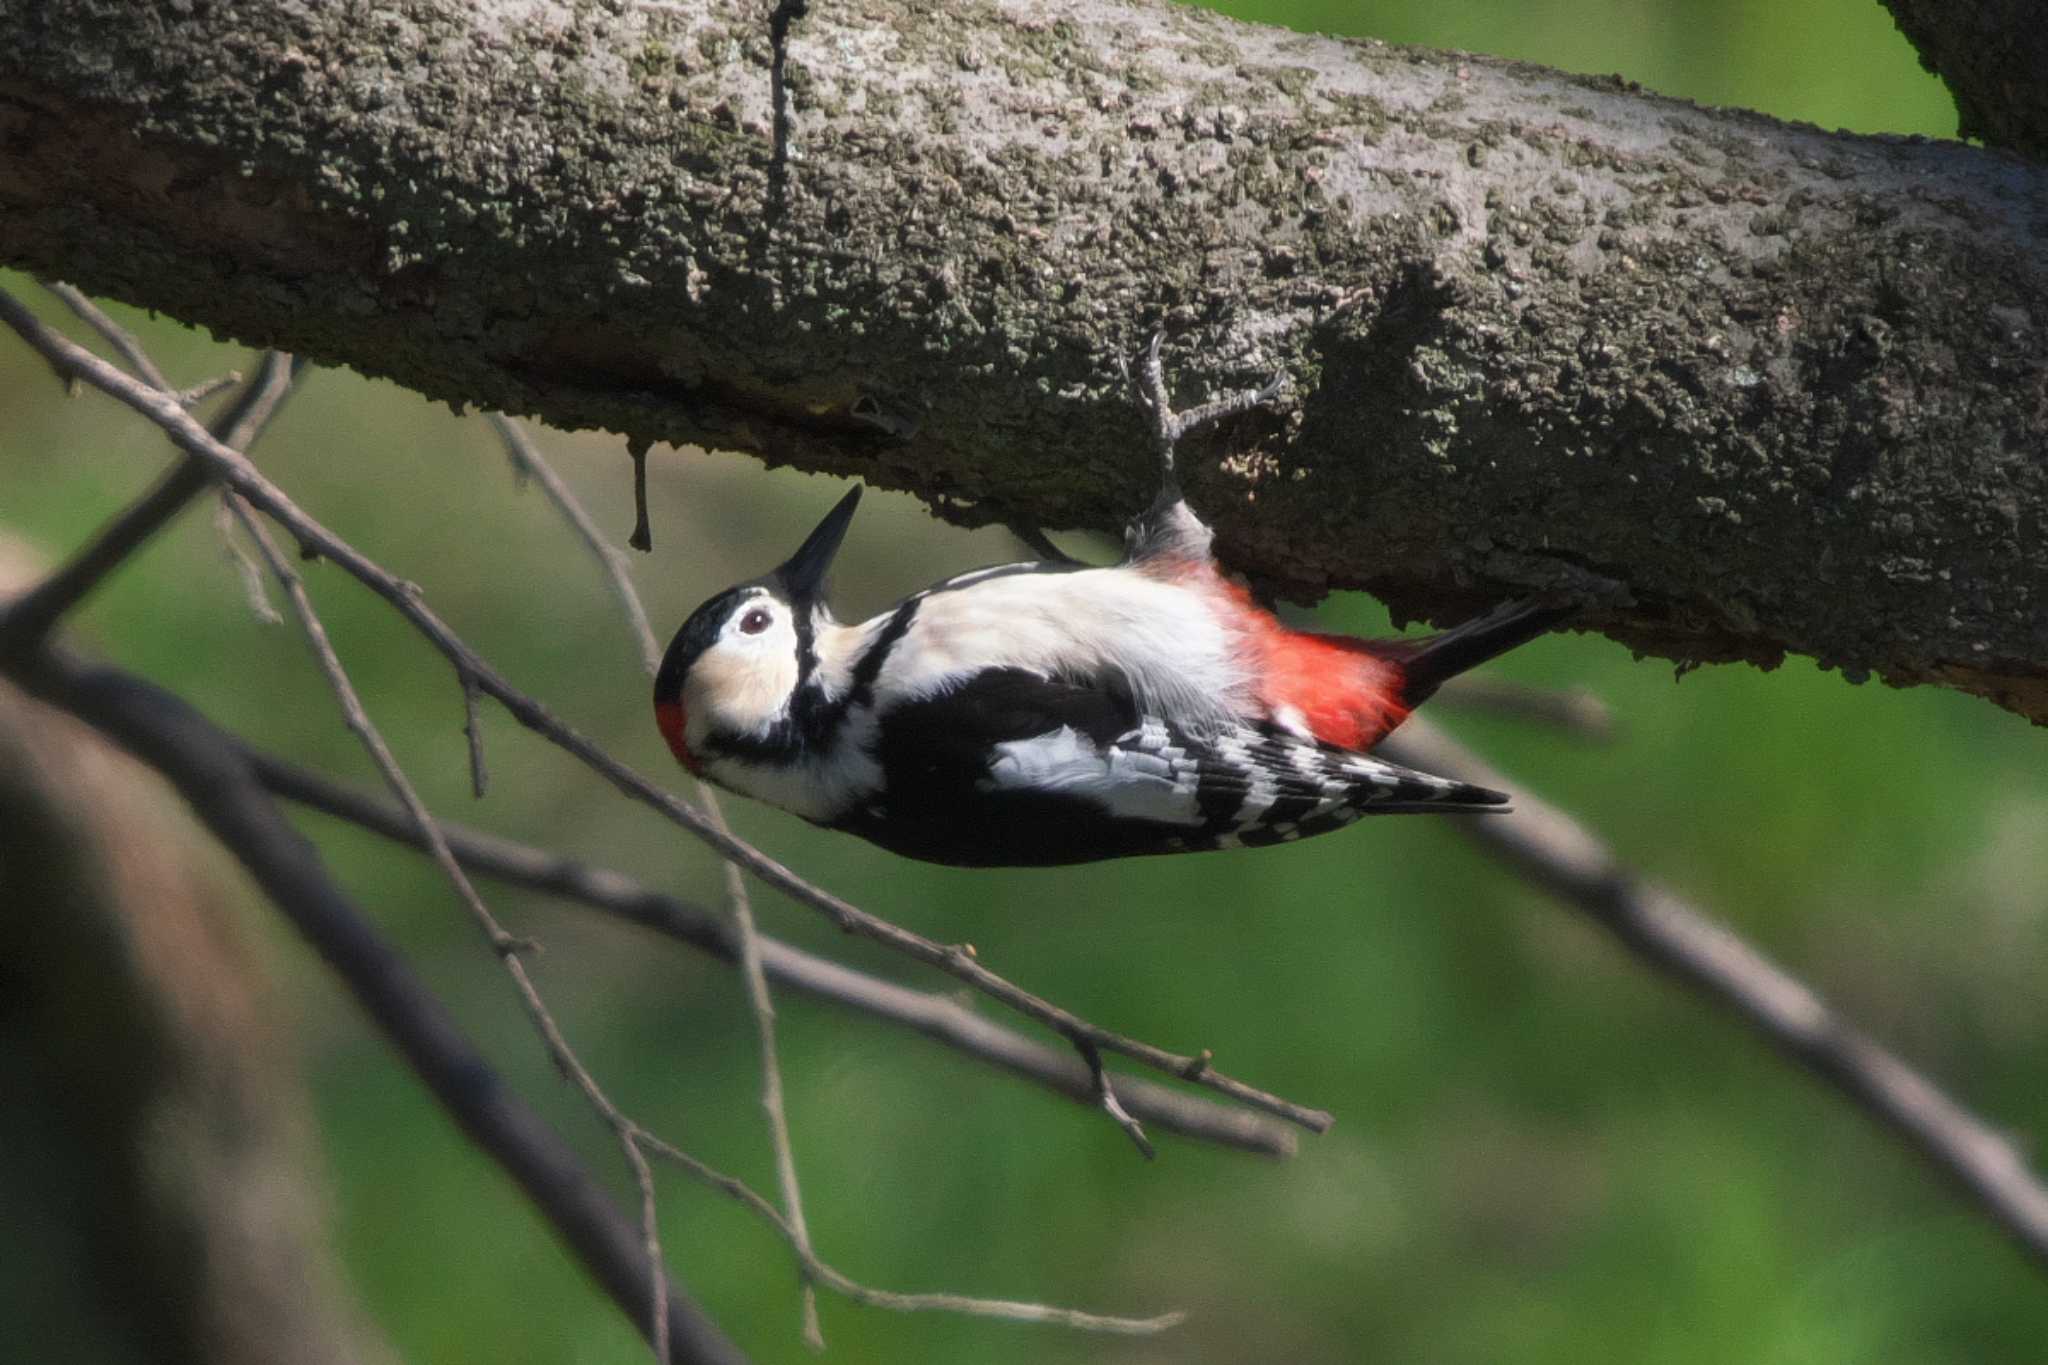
{"x":669,"y":716}
{"x":1347,"y":690}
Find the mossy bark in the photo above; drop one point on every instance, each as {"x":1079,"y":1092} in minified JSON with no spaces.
{"x":1751,"y":386}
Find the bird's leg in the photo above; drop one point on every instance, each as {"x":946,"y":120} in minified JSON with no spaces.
{"x":1168,"y":426}
{"x":1170,"y":520}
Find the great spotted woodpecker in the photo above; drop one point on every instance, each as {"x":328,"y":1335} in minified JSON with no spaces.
{"x":1050,"y":712}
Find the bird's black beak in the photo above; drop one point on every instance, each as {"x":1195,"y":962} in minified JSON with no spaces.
{"x":803,"y":574}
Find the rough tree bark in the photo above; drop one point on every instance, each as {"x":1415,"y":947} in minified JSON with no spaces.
{"x":1785,"y":389}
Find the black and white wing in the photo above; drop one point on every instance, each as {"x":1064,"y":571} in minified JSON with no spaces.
{"x":1010,"y":768}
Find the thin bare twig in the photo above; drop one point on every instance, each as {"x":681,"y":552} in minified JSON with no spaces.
{"x":245,"y":565}
{"x":1010,"y":1309}
{"x":937,"y":1016}
{"x":505,"y":945}
{"x":1108,"y":1103}
{"x":956,"y":960}
{"x":32,"y":615}
{"x":208,"y":769}
{"x":740,"y":907}
{"x":132,"y":352}
{"x":1560,"y":855}
{"x":473,"y":731}
{"x":207,"y":388}
{"x":529,"y":463}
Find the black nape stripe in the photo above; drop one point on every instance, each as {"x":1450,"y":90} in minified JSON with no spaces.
{"x":813,"y":717}
{"x":869,"y":669}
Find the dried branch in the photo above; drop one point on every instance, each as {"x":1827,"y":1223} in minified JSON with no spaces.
{"x":508,"y":948}
{"x":206,"y":766}
{"x":956,"y":960}
{"x":1557,"y":853}
{"x":32,"y":615}
{"x":1010,"y":1309}
{"x":131,"y":350}
{"x":244,"y":563}
{"x":740,"y":908}
{"x":936,"y":1016}
{"x":529,"y":463}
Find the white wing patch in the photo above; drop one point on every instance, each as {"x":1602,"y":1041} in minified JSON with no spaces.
{"x":1167,"y":643}
{"x":1149,"y":781}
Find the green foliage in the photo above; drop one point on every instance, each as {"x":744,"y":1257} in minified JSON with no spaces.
{"x":1542,"y":1154}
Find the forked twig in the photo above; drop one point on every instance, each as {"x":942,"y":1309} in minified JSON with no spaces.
{"x":938,"y":1016}
{"x":419,"y":822}
{"x":1010,"y":1309}
{"x":508,"y":948}
{"x":528,"y":462}
{"x":741,"y":909}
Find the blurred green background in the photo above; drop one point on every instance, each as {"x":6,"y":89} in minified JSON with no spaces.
{"x":1542,"y":1154}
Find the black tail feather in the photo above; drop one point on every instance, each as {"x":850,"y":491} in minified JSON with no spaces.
{"x":1442,"y":657}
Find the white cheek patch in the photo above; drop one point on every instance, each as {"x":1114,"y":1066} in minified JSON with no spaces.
{"x":742,"y":684}
{"x":1136,"y":784}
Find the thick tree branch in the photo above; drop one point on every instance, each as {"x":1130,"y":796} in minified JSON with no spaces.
{"x":1785,"y":388}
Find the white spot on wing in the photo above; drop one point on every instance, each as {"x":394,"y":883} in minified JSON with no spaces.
{"x":1128,"y":784}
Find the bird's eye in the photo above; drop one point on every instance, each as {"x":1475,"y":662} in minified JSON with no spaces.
{"x":755,"y":621}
